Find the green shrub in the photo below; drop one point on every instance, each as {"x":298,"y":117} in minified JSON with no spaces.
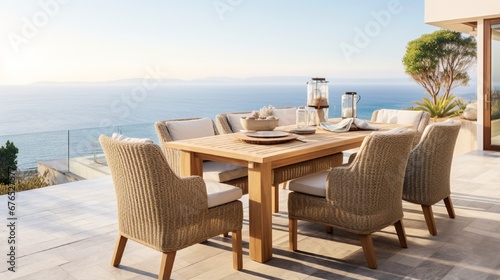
{"x":8,"y":162}
{"x":460,"y":106}
{"x":444,"y":107}
{"x":24,"y":181}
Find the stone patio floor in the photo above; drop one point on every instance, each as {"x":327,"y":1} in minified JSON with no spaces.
{"x":68,"y":231}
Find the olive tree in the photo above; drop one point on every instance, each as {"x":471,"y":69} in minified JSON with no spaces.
{"x":439,"y":61}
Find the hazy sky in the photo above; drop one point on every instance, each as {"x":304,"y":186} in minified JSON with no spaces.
{"x":89,"y":40}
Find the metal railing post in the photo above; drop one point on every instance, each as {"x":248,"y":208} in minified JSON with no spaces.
{"x":68,"y":151}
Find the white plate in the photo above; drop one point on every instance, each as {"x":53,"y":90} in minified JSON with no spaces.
{"x":267,"y":134}
{"x":309,"y":129}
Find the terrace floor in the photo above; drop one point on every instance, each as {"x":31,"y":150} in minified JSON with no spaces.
{"x":68,"y":231}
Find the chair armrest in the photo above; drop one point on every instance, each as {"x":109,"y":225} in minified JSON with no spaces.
{"x":194,"y":192}
{"x":341,"y":186}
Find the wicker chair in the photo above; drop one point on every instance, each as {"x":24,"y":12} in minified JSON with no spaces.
{"x":361,"y":197}
{"x":427,"y":179}
{"x":286,"y":173}
{"x":418,"y":119}
{"x":173,"y":158}
{"x":164,"y":212}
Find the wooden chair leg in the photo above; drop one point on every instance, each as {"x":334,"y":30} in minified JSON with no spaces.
{"x":292,"y":234}
{"x":276,"y":199}
{"x":369,"y":250}
{"x":167,"y":263}
{"x":429,"y":219}
{"x":237,"y":250}
{"x":119,"y":248}
{"x":449,"y":207}
{"x":400,"y":230}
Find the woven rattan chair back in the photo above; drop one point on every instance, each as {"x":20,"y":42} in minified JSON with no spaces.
{"x":427,"y":179}
{"x":158,"y":209}
{"x":363,"y":196}
{"x":174,"y":156}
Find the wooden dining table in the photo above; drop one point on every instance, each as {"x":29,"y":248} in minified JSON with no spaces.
{"x":261,"y":160}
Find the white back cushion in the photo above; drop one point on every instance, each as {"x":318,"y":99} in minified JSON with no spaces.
{"x":120,"y":137}
{"x":286,"y":116}
{"x":399,"y":116}
{"x":235,"y":121}
{"x":180,"y":130}
{"x":386,"y":116}
{"x":410,"y":117}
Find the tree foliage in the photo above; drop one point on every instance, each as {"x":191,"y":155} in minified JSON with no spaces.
{"x":439,"y":61}
{"x":8,"y":162}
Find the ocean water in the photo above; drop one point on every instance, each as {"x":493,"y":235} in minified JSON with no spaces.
{"x":42,"y":119}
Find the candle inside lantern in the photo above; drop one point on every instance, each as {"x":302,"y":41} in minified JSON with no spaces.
{"x":347,"y":113}
{"x":349,"y":100}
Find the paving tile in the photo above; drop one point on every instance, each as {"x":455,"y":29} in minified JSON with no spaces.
{"x":69,"y":232}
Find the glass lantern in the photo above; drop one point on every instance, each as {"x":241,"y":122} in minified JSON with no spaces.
{"x":349,"y":101}
{"x":317,"y":99}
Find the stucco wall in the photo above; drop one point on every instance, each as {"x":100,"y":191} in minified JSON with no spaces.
{"x":467,"y":138}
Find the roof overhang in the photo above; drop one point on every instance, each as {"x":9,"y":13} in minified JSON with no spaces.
{"x":460,"y":15}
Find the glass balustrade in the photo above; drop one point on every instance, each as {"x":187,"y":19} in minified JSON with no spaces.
{"x":76,"y":151}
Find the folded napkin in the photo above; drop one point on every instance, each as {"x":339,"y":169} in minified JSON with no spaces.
{"x":361,"y":124}
{"x":345,"y":125}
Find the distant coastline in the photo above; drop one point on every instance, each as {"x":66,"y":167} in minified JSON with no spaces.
{"x":290,"y":80}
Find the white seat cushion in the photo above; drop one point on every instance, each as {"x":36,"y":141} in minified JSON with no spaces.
{"x":314,"y":184}
{"x":235,"y":121}
{"x":223,"y":172}
{"x":286,"y":116}
{"x":219,"y":193}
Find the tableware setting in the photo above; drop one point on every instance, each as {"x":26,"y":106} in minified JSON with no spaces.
{"x":267,"y":137}
{"x":267,"y":134}
{"x":259,"y":124}
{"x":300,"y":131}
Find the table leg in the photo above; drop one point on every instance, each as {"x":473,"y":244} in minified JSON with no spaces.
{"x":261,"y":238}
{"x":190,"y":165}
